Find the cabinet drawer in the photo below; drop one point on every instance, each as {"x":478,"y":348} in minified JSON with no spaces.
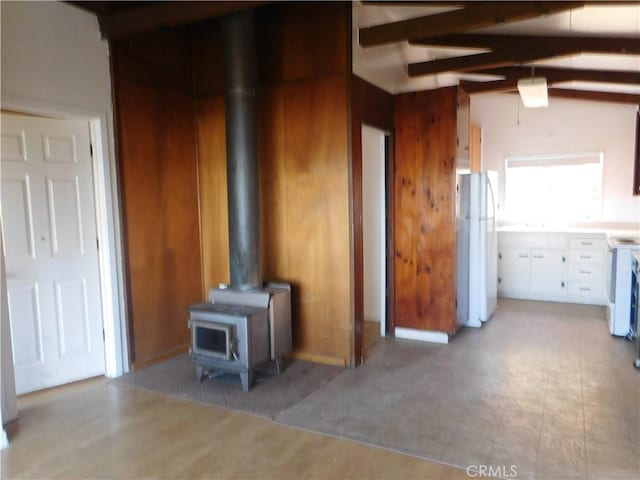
{"x":586,"y":244}
{"x":591,"y":257}
{"x":586,"y":273}
{"x":585,"y":290}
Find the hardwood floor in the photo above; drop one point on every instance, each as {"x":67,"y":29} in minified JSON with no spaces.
{"x":99,"y":429}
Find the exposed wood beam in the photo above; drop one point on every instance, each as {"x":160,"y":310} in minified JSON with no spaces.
{"x":614,"y":97}
{"x":591,"y":95}
{"x":591,"y":43}
{"x":454,"y":3}
{"x":468,"y":18}
{"x":166,"y":14}
{"x":97,"y":7}
{"x":481,"y":61}
{"x":553,"y":75}
{"x":507,"y":86}
{"x":497,"y":86}
{"x":559,"y":74}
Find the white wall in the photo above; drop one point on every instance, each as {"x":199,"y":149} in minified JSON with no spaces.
{"x":53,"y":51}
{"x":53,"y":61}
{"x":566,"y":126}
{"x":373,"y":194}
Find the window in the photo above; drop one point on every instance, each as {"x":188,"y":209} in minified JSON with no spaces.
{"x":544,"y":189}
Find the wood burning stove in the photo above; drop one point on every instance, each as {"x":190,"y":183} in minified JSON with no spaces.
{"x":238,"y":330}
{"x":247,"y":323}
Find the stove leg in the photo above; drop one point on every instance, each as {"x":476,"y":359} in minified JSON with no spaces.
{"x":199,"y":373}
{"x":246,"y":378}
{"x":279,"y":365}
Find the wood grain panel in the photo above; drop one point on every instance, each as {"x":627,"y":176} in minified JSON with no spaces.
{"x":304,"y":165}
{"x":425,"y":210}
{"x":157,"y":166}
{"x":305,"y":208}
{"x":301,"y":40}
{"x":212,"y":170}
{"x":273,"y":185}
{"x":317,"y":196}
{"x":208,"y":59}
{"x":372,"y":106}
{"x":475,"y":148}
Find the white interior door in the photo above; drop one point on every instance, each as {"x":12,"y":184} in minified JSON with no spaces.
{"x":51,"y":251}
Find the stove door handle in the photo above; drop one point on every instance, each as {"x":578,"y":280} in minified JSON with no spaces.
{"x":233,"y":349}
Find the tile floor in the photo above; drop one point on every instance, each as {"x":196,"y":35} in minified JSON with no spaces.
{"x":541,"y":386}
{"x":268,"y":397}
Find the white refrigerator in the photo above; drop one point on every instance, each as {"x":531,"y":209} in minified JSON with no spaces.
{"x":477,"y":248}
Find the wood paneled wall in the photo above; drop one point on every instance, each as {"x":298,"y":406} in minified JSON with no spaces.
{"x":425,"y":282}
{"x":372,"y":106}
{"x":158,"y":184}
{"x":304,"y":166}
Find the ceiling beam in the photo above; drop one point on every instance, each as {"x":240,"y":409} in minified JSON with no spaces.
{"x":552,"y":74}
{"x":455,"y":3}
{"x":468,"y":18}
{"x":480,"y":61}
{"x":496,"y":86}
{"x":166,"y":14}
{"x":614,"y":97}
{"x":510,"y":86}
{"x":559,"y":74}
{"x":592,"y":43}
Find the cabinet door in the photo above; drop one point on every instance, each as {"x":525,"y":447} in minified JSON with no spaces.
{"x":514,"y":269}
{"x":548,"y":275}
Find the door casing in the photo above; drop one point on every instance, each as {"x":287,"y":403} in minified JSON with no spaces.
{"x":107,"y":222}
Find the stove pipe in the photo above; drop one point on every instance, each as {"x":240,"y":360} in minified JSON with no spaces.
{"x":242,"y":151}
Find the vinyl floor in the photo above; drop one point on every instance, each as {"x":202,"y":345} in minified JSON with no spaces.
{"x":542,"y":390}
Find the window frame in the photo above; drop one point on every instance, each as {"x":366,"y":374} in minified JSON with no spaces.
{"x":555,"y":159}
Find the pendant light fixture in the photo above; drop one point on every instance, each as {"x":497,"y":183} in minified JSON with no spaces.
{"x":533,"y":91}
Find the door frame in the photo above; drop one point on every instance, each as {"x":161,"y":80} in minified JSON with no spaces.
{"x":108,"y":222}
{"x":389,"y":281}
{"x":384,"y":136}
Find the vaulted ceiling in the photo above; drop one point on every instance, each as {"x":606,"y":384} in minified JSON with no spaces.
{"x":587,"y":50}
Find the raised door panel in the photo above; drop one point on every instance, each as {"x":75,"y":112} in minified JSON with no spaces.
{"x":514,"y":271}
{"x":72,"y":317}
{"x":65,"y":216}
{"x":18,"y":228}
{"x":26,"y":325}
{"x":548,"y":273}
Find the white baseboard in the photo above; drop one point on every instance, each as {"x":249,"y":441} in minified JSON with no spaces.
{"x":422,"y":335}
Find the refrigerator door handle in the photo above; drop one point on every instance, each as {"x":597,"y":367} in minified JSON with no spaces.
{"x":493,"y":202}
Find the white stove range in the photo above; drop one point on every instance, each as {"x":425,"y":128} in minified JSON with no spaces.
{"x":620,"y":252}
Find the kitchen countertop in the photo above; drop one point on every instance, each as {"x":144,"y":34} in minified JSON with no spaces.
{"x":623,"y":231}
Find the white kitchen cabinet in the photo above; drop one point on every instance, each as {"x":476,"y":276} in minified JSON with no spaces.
{"x":548,"y":273}
{"x":587,"y":270}
{"x":514,"y":267}
{"x":555,"y":266}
